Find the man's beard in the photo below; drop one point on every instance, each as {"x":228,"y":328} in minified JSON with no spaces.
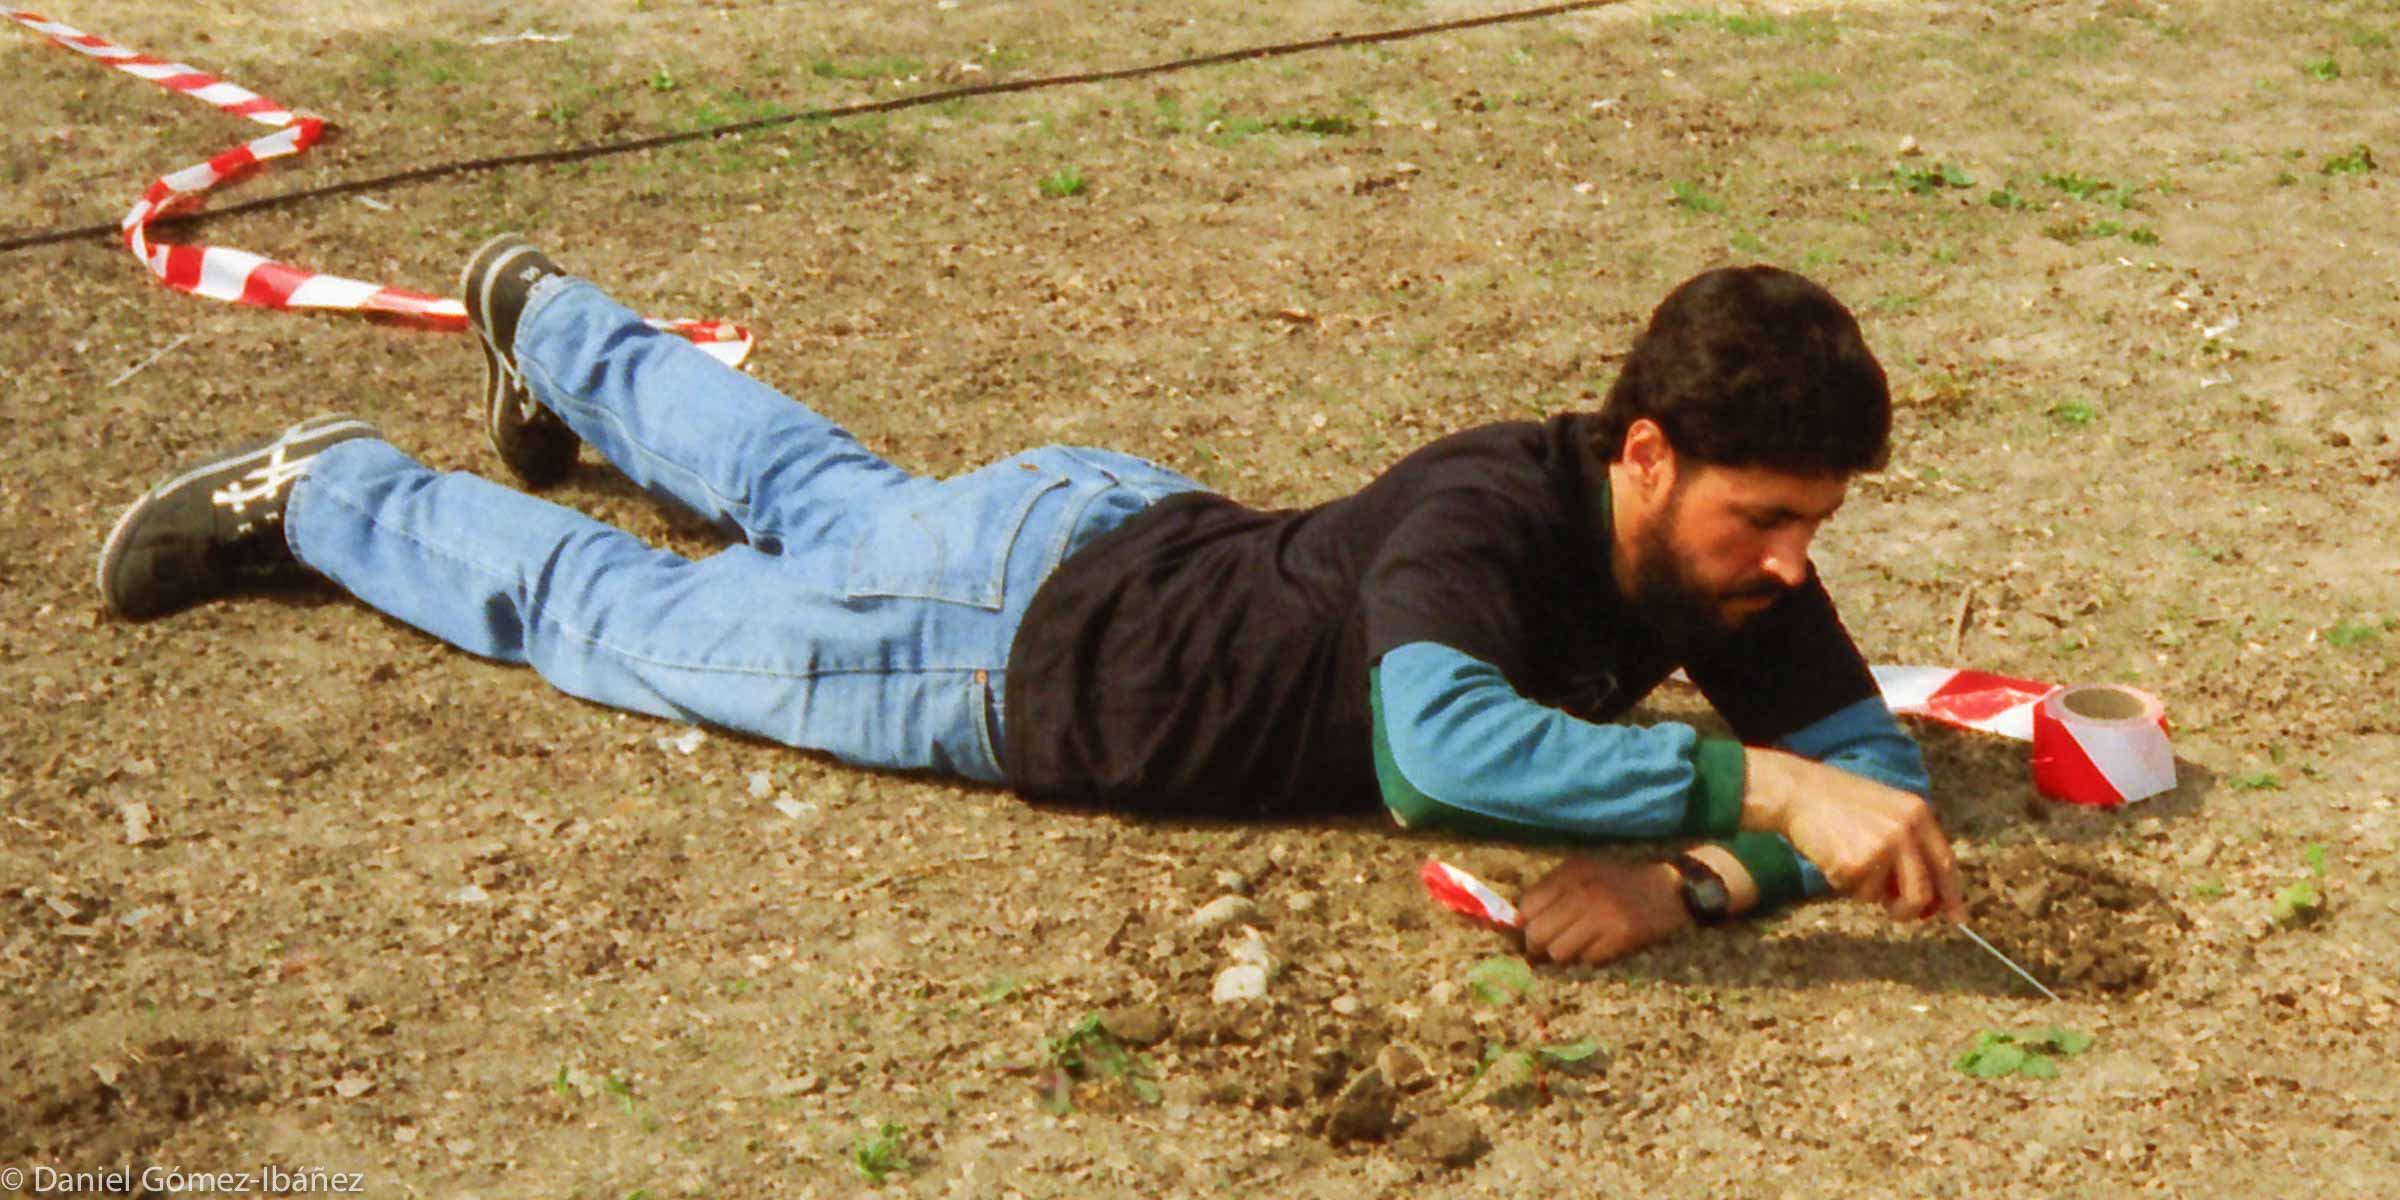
{"x":1688,"y":616}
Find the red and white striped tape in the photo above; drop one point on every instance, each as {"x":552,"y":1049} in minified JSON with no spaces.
{"x":2101,"y":744}
{"x":1967,"y":699}
{"x":1468,"y":896}
{"x":240,"y":277}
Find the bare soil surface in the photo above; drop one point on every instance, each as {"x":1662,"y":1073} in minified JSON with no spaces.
{"x":285,"y":883}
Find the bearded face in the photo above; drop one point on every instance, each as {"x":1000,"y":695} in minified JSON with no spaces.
{"x":1721,"y":547}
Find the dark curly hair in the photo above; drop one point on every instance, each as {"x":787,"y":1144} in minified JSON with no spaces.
{"x":1754,"y":367}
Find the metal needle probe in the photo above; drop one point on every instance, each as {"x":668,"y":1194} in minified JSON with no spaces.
{"x":2005,"y":960}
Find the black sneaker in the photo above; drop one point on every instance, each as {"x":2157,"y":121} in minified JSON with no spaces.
{"x":531,"y":439}
{"x":216,"y":526}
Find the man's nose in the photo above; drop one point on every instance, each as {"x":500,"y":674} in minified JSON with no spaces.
{"x":1787,"y":559}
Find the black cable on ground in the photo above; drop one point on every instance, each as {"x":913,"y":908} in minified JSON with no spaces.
{"x":603,"y":149}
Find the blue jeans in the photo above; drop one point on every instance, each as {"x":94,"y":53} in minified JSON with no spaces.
{"x":868,"y":612}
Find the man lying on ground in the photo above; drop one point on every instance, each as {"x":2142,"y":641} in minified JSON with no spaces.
{"x":1452,"y":642}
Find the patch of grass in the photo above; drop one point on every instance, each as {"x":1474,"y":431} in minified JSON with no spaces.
{"x":2357,"y":631}
{"x":1747,"y":22}
{"x":1321,"y":126}
{"x":1088,"y":1050}
{"x":880,"y":1154}
{"x":2258,"y":781}
{"x":423,"y":63}
{"x":2322,"y":68}
{"x":2209,"y":889}
{"x":2028,"y":1053}
{"x":2073,"y":413}
{"x":1000,"y":988}
{"x":885,"y":67}
{"x":1689,"y":196}
{"x":1927,"y":181}
{"x":2080,"y":186}
{"x":1810,"y":81}
{"x":1748,"y":243}
{"x":2359,"y":160}
{"x":1062,"y":183}
{"x":2072,"y":232}
{"x":2089,"y":40}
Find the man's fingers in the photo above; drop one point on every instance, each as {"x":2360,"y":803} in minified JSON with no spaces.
{"x":1950,"y":893}
{"x":1912,"y":891}
{"x":1560,"y":941}
{"x":1872,"y":884}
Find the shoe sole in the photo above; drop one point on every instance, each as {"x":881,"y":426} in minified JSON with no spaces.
{"x":475,"y":282}
{"x":114,"y":545}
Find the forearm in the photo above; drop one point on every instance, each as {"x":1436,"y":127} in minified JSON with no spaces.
{"x":1457,"y":747}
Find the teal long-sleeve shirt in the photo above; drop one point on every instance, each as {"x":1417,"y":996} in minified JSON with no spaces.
{"x":1457,"y":747}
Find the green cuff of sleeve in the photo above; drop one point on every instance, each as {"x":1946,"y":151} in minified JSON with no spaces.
{"x":1717,"y":777}
{"x":1774,"y":868}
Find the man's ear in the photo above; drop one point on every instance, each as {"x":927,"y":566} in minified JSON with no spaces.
{"x":1650,"y":457}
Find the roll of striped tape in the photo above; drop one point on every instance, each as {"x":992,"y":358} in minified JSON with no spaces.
{"x":2101,"y":744}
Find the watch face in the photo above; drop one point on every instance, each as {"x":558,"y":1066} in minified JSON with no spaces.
{"x":1704,"y":894}
{"x":1706,"y":898}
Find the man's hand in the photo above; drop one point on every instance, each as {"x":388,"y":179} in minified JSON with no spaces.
{"x":1592,"y":912}
{"x":1874,"y":843}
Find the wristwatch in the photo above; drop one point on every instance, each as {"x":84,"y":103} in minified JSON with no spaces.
{"x":1704,"y":894}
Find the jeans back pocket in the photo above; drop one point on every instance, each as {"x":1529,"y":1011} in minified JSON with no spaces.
{"x":950,"y":539}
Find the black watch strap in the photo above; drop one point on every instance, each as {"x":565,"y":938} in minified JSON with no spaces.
{"x":1705,"y":895}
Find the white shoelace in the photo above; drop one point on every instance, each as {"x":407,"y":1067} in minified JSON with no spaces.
{"x":263,"y":483}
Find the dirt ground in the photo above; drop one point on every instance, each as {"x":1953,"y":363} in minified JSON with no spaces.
{"x":288,"y":885}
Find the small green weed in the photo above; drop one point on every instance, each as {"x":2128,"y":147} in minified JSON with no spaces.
{"x":879,"y":1154}
{"x":2322,"y":68}
{"x":2359,"y":161}
{"x":2209,"y":889}
{"x":576,"y":1083}
{"x":1568,"y":1054}
{"x":1688,"y":195}
{"x":2302,"y":901}
{"x":1927,"y":181}
{"x":1088,"y":1050}
{"x":2073,"y":413}
{"x":1062,"y":183}
{"x":1500,"y":979}
{"x":1321,"y":126}
{"x":2258,"y":781}
{"x":2357,"y":631}
{"x":2029,"y":1053}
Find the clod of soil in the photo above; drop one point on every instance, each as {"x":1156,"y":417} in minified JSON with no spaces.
{"x":1447,"y":1140}
{"x":2075,"y":924}
{"x":1363,"y":1111}
{"x":1138,"y":1025}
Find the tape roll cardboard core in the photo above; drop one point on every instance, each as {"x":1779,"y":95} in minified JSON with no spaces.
{"x":2103,"y":704}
